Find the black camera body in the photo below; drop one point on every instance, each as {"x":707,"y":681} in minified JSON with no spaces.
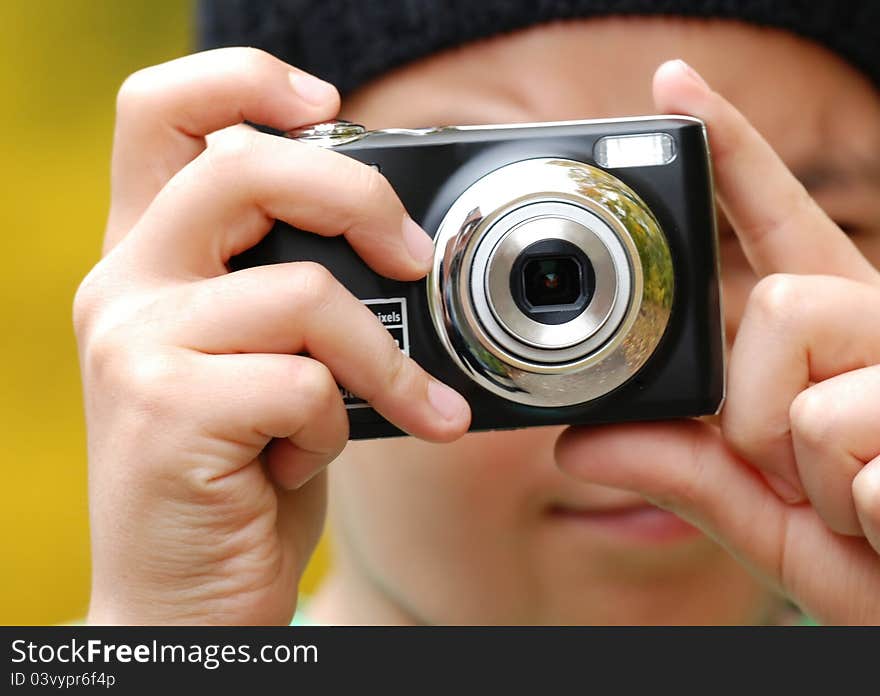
{"x":575,"y":277}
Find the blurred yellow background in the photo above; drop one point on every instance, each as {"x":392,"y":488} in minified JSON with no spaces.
{"x":62,"y":62}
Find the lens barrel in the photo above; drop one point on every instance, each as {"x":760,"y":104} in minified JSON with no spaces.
{"x":538,"y":288}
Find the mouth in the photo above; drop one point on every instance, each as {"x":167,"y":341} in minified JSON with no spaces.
{"x":638,"y":523}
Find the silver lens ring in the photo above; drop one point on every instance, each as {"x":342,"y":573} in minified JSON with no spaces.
{"x":493,"y":264}
{"x":523,"y":378}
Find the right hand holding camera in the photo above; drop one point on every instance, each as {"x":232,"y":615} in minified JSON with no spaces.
{"x":208,"y":425}
{"x":790,"y":482}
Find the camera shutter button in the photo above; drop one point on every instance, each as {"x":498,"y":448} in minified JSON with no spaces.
{"x":328,"y":133}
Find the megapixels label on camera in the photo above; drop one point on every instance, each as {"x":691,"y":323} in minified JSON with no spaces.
{"x":391,"y":311}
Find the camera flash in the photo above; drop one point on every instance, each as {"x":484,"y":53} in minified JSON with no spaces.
{"x":641,"y":150}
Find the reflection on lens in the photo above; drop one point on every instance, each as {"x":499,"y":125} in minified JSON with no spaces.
{"x":552,"y":281}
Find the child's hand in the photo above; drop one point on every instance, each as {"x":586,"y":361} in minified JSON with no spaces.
{"x":190,"y":372}
{"x":803,"y":405}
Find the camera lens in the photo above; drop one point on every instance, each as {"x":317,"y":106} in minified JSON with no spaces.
{"x":538,"y":288}
{"x":552,"y":281}
{"x":549,"y":280}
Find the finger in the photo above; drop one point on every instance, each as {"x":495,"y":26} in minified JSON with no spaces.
{"x":866,"y":491}
{"x":255,"y":398}
{"x":164,"y":112}
{"x":301,"y":307}
{"x":226,"y":200}
{"x":834,"y":428}
{"x":780,"y":227}
{"x":301,"y":514}
{"x":686,"y":467}
{"x":796,"y":330}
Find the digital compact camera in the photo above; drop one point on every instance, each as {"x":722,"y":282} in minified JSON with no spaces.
{"x":575,"y":275}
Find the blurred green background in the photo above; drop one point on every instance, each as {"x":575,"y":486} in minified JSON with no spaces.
{"x":61,"y":62}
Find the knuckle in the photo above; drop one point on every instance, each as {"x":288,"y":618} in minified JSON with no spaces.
{"x":253,"y":61}
{"x":315,"y":285}
{"x":231,"y":150}
{"x":143,"y":381}
{"x":119,"y":361}
{"x":815,"y":419}
{"x":136,"y":92}
{"x":316,"y":387}
{"x":315,"y":384}
{"x":371,"y":192}
{"x":150,"y":381}
{"x":777,"y":298}
{"x":86,"y":304}
{"x":252,"y":65}
{"x":373,"y":185}
{"x":102,"y":355}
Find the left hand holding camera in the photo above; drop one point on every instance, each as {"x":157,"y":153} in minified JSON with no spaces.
{"x":790,"y":483}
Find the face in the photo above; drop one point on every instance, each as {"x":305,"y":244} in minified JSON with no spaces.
{"x":487,"y":529}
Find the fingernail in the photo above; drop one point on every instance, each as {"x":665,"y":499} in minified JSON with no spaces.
{"x":311,"y":89}
{"x":447,"y":402}
{"x":785,"y":490}
{"x":419,"y":245}
{"x":693,"y":74}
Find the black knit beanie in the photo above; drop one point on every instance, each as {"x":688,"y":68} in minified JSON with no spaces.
{"x":348,"y":42}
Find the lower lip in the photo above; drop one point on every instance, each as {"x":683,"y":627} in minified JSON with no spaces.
{"x":644,"y":524}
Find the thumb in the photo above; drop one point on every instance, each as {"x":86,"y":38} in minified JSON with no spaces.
{"x":684,"y":467}
{"x":301,"y":514}
{"x":687,"y":468}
